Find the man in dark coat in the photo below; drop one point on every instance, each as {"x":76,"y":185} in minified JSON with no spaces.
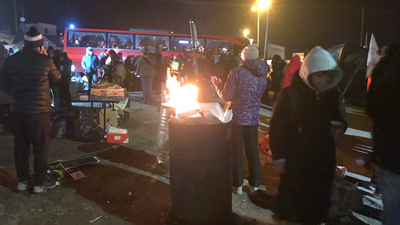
{"x":306,"y":118}
{"x":278,"y":65}
{"x":26,"y":77}
{"x":383,"y":107}
{"x":65,"y":69}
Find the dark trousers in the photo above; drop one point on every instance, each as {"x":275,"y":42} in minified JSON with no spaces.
{"x":31,"y":128}
{"x":65,"y":95}
{"x":249,"y":136}
{"x":92,"y":77}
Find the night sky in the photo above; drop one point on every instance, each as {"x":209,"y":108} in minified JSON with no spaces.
{"x":297,"y":24}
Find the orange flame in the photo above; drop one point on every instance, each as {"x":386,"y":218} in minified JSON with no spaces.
{"x":181,"y":98}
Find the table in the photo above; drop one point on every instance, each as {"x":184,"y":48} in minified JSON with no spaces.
{"x":103,"y":104}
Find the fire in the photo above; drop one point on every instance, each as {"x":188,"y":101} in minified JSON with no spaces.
{"x":181,"y":98}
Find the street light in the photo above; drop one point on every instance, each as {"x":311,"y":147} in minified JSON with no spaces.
{"x":261,"y":5}
{"x":246,"y":32}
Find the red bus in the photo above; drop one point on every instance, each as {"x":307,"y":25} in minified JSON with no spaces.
{"x":130,"y":42}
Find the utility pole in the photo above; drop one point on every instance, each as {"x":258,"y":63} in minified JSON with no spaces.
{"x":362,"y":27}
{"x":266,"y":36}
{"x":15,"y":16}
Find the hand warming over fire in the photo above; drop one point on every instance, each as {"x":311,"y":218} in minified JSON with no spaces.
{"x":215,"y":80}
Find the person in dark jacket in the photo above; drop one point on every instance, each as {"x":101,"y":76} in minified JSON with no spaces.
{"x":278,"y":65}
{"x":243,"y":89}
{"x":147,"y":71}
{"x":160,"y":71}
{"x":306,"y":119}
{"x":26,"y":77}
{"x":65,"y":69}
{"x":205,"y":65}
{"x":90,"y":63}
{"x":383,"y":106}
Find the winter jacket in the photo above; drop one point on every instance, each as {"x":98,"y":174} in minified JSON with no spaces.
{"x":90,"y":63}
{"x":244,"y":87}
{"x":277,"y":72}
{"x":383,"y":106}
{"x":26,"y":76}
{"x":300,"y":133}
{"x":147,"y":67}
{"x":290,"y":70}
{"x":65,"y":69}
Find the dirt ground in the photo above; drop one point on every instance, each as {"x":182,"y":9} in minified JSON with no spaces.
{"x":124,"y":188}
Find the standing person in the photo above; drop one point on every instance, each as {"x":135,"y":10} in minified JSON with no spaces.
{"x":306,"y":119}
{"x":294,"y":65}
{"x":205,"y":65}
{"x":147,"y":71}
{"x":383,"y":106}
{"x":277,"y":74}
{"x":25,"y":76}
{"x":160,"y":71}
{"x":90,"y":63}
{"x":244,"y":88}
{"x":65,"y":69}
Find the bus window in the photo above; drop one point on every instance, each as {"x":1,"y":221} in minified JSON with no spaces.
{"x":86,"y":39}
{"x":152,"y":41}
{"x":184,"y":44}
{"x":218,"y":46}
{"x":121,"y":41}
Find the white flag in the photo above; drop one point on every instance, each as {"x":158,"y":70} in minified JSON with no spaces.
{"x":373,"y":56}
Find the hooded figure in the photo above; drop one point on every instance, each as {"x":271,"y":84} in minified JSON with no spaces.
{"x":294,"y":65}
{"x":307,"y":117}
{"x":383,"y":106}
{"x":243,"y":89}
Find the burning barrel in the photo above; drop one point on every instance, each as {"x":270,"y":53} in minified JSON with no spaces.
{"x":200,"y":171}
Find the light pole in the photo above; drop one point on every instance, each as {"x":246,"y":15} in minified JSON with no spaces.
{"x":266,"y":35}
{"x":258,"y":22}
{"x":261,"y":5}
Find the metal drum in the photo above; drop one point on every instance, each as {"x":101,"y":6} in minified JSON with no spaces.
{"x":200,"y":172}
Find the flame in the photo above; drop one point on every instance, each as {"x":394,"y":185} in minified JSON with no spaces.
{"x":181,"y":98}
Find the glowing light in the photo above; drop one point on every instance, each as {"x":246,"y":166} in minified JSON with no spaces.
{"x":254,"y":8}
{"x":183,"y":42}
{"x":246,"y":32}
{"x":263,"y":4}
{"x":72,"y":26}
{"x":181,"y":98}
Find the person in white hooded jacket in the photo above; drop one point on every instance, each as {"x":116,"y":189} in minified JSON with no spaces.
{"x":306,"y":118}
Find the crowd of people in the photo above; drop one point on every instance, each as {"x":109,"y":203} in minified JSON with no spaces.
{"x":308,"y":115}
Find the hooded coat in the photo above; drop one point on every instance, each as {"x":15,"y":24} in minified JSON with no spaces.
{"x":244,"y":88}
{"x":294,"y":65}
{"x":383,"y":106}
{"x":300,"y":133}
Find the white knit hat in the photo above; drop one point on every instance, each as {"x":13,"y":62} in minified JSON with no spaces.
{"x":250,"y":52}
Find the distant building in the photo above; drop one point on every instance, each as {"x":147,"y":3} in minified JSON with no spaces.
{"x":43,"y":28}
{"x":48,"y":31}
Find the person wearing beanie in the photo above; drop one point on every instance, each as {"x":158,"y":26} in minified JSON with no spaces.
{"x":243,"y":91}
{"x":307,"y":118}
{"x":91,"y":63}
{"x":26,"y":77}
